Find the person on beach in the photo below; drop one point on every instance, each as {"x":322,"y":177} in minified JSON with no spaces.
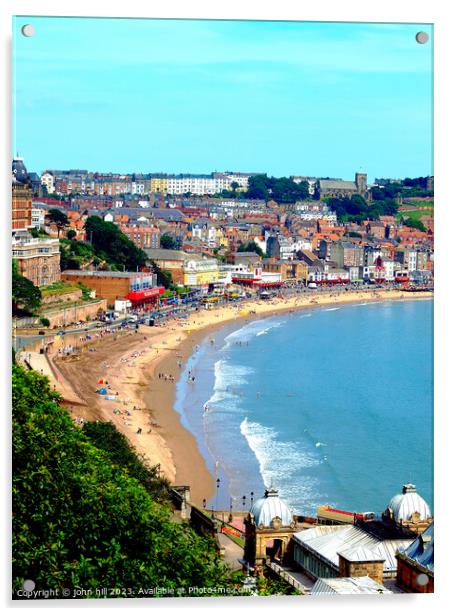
{"x":139,"y":431}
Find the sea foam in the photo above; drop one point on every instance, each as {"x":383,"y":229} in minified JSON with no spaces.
{"x":281,"y":463}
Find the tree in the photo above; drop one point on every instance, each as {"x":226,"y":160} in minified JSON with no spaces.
{"x":71,"y":234}
{"x":113,"y":245}
{"x":234,"y":186}
{"x":282,"y":190}
{"x":25,"y":295}
{"x":81,"y":517}
{"x":58,"y":217}
{"x":164,"y":277}
{"x":258,"y":187}
{"x":414,"y":223}
{"x":166,"y":241}
{"x":251,"y":246}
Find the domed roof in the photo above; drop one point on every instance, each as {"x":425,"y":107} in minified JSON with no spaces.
{"x":404,"y":505}
{"x":269,"y":507}
{"x":20,"y":173}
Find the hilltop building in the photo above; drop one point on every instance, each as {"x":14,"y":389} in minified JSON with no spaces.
{"x":344,"y":188}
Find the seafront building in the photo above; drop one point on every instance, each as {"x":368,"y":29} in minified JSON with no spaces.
{"x":359,"y":552}
{"x":137,"y":287}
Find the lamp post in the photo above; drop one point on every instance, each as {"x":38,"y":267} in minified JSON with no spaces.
{"x":243,"y":501}
{"x":216,"y":496}
{"x":252,"y":498}
{"x":204,"y":503}
{"x":230,"y":510}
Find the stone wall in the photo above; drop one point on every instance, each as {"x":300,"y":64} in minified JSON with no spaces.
{"x":70,"y":296}
{"x":61,"y":317}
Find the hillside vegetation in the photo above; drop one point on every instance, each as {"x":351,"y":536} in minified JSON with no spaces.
{"x":88,"y":514}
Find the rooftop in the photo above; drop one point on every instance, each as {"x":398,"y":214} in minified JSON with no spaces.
{"x":349,"y":586}
{"x":328,"y":541}
{"x":104,"y":274}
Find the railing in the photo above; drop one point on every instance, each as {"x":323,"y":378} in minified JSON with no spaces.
{"x":286,"y":576}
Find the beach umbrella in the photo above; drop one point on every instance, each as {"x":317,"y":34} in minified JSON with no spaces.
{"x":100,"y":381}
{"x":102,"y":391}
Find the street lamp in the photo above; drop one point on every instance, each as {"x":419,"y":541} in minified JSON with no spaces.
{"x":230,"y":510}
{"x":252,"y":498}
{"x":216,"y":497}
{"x":204,"y":502}
{"x":243,"y":501}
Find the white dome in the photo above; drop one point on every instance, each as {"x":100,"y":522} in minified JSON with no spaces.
{"x":404,"y":505}
{"x":269,"y":507}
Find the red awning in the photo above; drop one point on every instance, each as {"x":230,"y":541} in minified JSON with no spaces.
{"x":140,"y":296}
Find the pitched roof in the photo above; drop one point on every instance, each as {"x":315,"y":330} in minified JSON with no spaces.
{"x":327,"y":541}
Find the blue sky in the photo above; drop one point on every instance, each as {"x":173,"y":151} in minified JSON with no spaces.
{"x":196,"y":96}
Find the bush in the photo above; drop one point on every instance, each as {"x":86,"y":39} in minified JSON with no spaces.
{"x":44,"y":321}
{"x":81,"y":520}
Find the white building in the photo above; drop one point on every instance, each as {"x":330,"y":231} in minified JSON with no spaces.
{"x":48,"y":181}
{"x":37,"y":217}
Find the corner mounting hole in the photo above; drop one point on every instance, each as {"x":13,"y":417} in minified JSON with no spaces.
{"x":28,"y":30}
{"x":422,"y":37}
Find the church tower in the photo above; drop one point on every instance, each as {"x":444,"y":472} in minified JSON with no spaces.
{"x":361,"y":183}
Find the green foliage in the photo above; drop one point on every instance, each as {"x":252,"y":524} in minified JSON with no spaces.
{"x":282,"y":190}
{"x":86,"y":292}
{"x":251,"y":246}
{"x":164,"y":277}
{"x":414,"y":223}
{"x":409,"y":187}
{"x":355,"y":208}
{"x":106,"y":437}
{"x":109,"y":242}
{"x":274,"y":586}
{"x":58,"y":217}
{"x":71,"y":234}
{"x":26,"y":297}
{"x":45,"y":321}
{"x":81,"y":520}
{"x":166,"y":241}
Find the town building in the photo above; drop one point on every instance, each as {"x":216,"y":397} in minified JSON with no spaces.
{"x":144,"y":236}
{"x":200,"y":272}
{"x":138,"y":287}
{"x":289,"y":270}
{"x":367,"y":547}
{"x":48,"y":180}
{"x":415,"y":564}
{"x":21,"y":196}
{"x":344,"y":254}
{"x":38,"y":259}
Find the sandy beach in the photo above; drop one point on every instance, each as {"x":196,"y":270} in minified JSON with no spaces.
{"x":129,"y":364}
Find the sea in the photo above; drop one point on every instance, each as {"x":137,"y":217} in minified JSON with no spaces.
{"x":329,"y":405}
